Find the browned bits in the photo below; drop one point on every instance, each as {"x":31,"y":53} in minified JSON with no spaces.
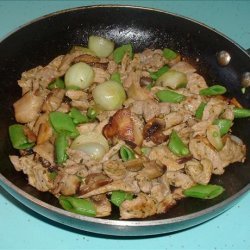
{"x":145,"y":81}
{"x":153,"y":131}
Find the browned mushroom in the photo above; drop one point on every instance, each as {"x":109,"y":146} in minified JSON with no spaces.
{"x":153,"y":131}
{"x":122,"y":126}
{"x":94,"y":181}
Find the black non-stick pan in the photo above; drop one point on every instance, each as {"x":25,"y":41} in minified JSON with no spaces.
{"x":38,"y":42}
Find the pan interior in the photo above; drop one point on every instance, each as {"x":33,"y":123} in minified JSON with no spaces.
{"x":41,"y":41}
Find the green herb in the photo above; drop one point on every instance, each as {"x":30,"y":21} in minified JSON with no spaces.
{"x":57,"y":84}
{"x":126,"y":153}
{"x":169,"y":54}
{"x":77,"y":117}
{"x":200,"y":110}
{"x":158,"y":73}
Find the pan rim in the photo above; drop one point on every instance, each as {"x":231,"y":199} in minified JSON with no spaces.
{"x":111,"y":222}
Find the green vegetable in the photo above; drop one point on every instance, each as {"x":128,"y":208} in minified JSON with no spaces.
{"x":52,"y":175}
{"x":200,"y":110}
{"x":204,"y":191}
{"x":150,"y":86}
{"x":119,"y":53}
{"x":116,"y":77}
{"x":224,"y":125}
{"x":62,"y":123}
{"x":91,"y":114}
{"x":177,"y":146}
{"x":170,"y":96}
{"x":172,"y":79}
{"x":61,"y":144}
{"x":157,"y":74}
{"x":118,"y":197}
{"x":77,"y":117}
{"x":18,"y":138}
{"x":214,"y":136}
{"x":78,"y":205}
{"x":57,"y":84}
{"x":126,"y":153}
{"x":213,"y":90}
{"x":241,"y":112}
{"x":169,"y":54}
{"x":145,"y":150}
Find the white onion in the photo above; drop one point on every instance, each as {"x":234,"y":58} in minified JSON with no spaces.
{"x":79,"y":75}
{"x":92,"y":143}
{"x":109,"y":95}
{"x":172,"y":79}
{"x":101,"y":46}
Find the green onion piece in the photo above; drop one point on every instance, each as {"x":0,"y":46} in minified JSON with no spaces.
{"x":169,"y":54}
{"x":91,"y":114}
{"x":52,"y":175}
{"x":177,"y":146}
{"x":77,"y":117}
{"x":126,"y":153}
{"x":200,"y":110}
{"x":62,"y":123}
{"x":204,"y":191}
{"x":157,"y":74}
{"x":213,"y":90}
{"x":18,"y":138}
{"x":145,"y":150}
{"x":224,"y":125}
{"x":241,"y":112}
{"x":116,"y":77}
{"x":61,"y":144}
{"x":78,"y":205}
{"x":170,"y":96}
{"x":57,"y":84}
{"x":118,"y":197}
{"x":119,"y":53}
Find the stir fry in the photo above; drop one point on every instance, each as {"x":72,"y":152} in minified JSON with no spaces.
{"x":103,"y":126}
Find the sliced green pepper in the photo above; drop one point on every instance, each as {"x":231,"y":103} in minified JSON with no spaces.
{"x":18,"y":138}
{"x":224,"y":125}
{"x":200,"y":110}
{"x":78,"y":205}
{"x":213,"y":90}
{"x":158,"y":73}
{"x":241,"y":113}
{"x":61,"y":144}
{"x":204,"y":191}
{"x":57,"y":84}
{"x":126,"y":153}
{"x":119,"y":53}
{"x":169,"y":54}
{"x":118,"y":197}
{"x":170,"y":96}
{"x":77,"y":117}
{"x":62,"y":123}
{"x":116,"y":77}
{"x":177,"y":146}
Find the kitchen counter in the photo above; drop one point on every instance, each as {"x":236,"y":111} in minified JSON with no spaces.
{"x":21,"y":228}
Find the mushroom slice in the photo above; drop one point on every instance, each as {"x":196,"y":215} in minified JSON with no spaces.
{"x":153,"y":131}
{"x":94,"y":182}
{"x":121,"y":126}
{"x":114,"y":169}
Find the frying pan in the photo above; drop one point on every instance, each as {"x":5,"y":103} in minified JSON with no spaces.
{"x":38,"y":42}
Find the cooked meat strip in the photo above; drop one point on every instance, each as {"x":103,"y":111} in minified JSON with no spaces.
{"x":102,"y":205}
{"x":115,"y":170}
{"x":45,"y":150}
{"x":140,"y":207}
